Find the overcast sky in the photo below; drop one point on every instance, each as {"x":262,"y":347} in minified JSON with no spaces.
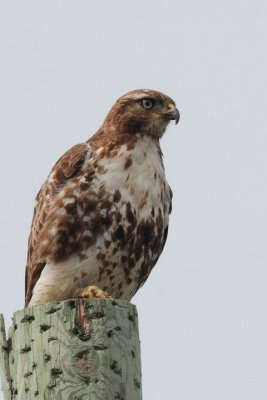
{"x":202,"y":312}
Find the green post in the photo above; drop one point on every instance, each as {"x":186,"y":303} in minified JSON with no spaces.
{"x":75,"y":349}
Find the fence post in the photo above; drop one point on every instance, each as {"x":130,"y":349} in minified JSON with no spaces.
{"x":74,"y":349}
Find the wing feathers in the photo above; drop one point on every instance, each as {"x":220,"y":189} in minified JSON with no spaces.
{"x":67,"y":167}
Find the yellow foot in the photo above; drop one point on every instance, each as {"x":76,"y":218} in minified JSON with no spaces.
{"x":91,"y":292}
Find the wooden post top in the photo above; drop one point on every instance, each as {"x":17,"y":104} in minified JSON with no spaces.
{"x":74,"y":349}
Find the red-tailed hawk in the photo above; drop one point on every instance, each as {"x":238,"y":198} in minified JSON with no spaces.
{"x":101,"y":218}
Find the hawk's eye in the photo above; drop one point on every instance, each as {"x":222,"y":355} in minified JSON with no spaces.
{"x":147,"y":103}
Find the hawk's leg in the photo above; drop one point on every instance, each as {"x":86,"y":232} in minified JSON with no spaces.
{"x":91,"y":292}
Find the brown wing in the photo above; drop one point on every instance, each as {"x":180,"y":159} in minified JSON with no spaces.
{"x":67,"y":167}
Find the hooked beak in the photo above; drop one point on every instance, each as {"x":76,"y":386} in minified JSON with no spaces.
{"x":172,"y":113}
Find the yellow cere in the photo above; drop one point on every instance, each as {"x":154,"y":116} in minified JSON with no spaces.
{"x":170,"y":105}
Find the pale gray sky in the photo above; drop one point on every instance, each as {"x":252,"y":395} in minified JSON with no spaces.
{"x":203,"y":314}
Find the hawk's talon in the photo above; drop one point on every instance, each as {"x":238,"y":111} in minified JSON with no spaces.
{"x":91,"y":292}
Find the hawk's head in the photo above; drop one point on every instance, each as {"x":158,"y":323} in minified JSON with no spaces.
{"x":142,"y":111}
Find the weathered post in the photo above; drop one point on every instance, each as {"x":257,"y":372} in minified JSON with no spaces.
{"x":72,"y":350}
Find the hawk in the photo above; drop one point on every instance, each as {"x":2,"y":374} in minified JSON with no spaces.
{"x":101,"y":218}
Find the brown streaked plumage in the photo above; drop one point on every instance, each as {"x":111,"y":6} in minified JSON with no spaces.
{"x":101,"y":218}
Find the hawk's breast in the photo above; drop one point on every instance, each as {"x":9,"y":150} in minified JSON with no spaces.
{"x":112,"y":227}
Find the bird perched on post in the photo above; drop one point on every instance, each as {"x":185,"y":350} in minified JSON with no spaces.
{"x":101,"y":218}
